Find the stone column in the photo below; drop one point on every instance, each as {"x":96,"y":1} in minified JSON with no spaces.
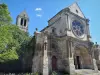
{"x":71,"y":59}
{"x":45,"y":58}
{"x":18,"y":21}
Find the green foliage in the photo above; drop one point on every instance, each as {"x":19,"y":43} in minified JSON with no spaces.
{"x":29,"y":46}
{"x":9,"y":55}
{"x":13,"y":41}
{"x":59,"y":73}
{"x":11,"y":38}
{"x":54,"y":73}
{"x":5,"y":18}
{"x":35,"y":73}
{"x":26,"y":51}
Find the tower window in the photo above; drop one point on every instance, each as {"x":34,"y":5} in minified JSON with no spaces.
{"x":21,"y":21}
{"x":25,"y":22}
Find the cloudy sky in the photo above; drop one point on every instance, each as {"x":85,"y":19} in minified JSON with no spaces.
{"x":40,"y":11}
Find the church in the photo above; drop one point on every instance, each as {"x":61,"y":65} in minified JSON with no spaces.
{"x":65,"y":44}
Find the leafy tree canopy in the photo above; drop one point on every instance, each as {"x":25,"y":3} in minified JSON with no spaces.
{"x":11,"y":38}
{"x":5,"y":17}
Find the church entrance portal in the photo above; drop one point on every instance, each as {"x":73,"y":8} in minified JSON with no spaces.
{"x":54,"y":63}
{"x":82,"y":59}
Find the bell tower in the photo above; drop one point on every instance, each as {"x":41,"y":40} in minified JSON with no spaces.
{"x":22,"y":21}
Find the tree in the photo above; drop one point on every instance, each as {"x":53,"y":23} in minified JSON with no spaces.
{"x":5,"y":17}
{"x":27,"y":53}
{"x":13,"y":41}
{"x":11,"y":38}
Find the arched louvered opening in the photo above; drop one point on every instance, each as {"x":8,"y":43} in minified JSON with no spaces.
{"x":25,"y":22}
{"x":21,"y":23}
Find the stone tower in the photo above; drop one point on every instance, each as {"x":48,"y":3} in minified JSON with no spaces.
{"x":22,"y":21}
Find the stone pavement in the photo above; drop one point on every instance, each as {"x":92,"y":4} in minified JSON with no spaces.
{"x":86,"y":72}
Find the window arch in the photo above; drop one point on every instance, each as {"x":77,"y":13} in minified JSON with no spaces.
{"x":21,"y":21}
{"x":82,"y":58}
{"x":25,"y":22}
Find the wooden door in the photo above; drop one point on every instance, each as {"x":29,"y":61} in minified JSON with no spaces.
{"x":54,"y":63}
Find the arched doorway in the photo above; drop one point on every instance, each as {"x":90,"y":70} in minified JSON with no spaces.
{"x":82,"y":58}
{"x":54,"y":63}
{"x":77,"y":62}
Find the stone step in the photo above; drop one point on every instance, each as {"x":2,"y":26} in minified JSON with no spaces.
{"x":94,"y":74}
{"x":86,"y":72}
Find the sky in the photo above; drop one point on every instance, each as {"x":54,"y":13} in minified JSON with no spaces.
{"x":40,"y":11}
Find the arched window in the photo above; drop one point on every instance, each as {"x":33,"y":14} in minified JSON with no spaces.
{"x":25,"y":22}
{"x":21,"y":21}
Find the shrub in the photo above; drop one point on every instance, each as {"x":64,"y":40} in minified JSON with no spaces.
{"x":54,"y":73}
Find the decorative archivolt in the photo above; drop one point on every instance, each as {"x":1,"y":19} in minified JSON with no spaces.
{"x":80,"y":44}
{"x":83,"y":50}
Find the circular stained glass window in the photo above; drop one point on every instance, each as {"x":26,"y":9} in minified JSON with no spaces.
{"x":77,"y":28}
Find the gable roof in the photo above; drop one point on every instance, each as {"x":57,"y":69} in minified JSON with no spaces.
{"x":74,"y":8}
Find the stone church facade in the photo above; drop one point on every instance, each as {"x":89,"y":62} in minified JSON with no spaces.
{"x":65,"y":44}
